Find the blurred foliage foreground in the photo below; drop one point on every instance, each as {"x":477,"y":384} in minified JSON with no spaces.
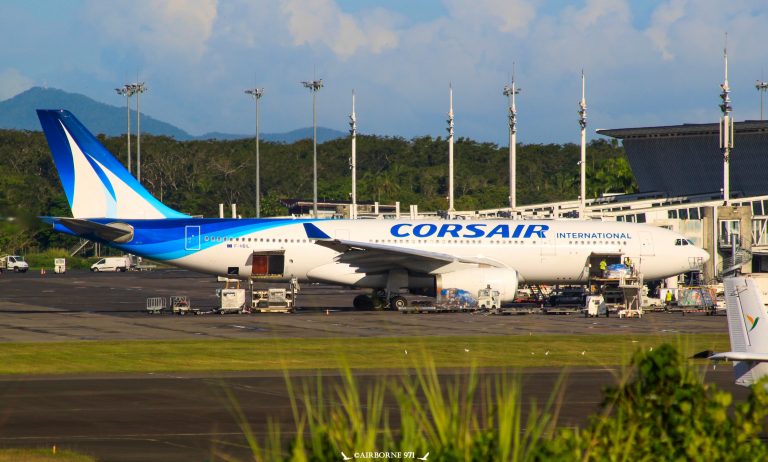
{"x":660,"y":410}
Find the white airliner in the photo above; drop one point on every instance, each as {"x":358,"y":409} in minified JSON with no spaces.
{"x":110,"y":206}
{"x":748,"y":330}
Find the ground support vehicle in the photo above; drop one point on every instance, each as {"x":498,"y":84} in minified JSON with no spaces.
{"x":232,"y":300}
{"x":121,"y":264}
{"x":274,"y":300}
{"x":180,"y":305}
{"x":13,"y":263}
{"x":156,"y":305}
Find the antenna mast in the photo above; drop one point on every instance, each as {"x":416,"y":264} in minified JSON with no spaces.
{"x":353,"y":160}
{"x":510,"y":91}
{"x":583,"y":161}
{"x":726,"y":128}
{"x":450,"y":151}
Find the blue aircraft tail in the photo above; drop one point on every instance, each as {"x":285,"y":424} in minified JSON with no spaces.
{"x":95,"y":182}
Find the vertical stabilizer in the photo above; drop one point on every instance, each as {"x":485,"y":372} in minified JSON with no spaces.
{"x":748,"y":330}
{"x":96,"y":184}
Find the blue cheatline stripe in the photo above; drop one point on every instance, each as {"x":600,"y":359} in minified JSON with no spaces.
{"x":164,"y":239}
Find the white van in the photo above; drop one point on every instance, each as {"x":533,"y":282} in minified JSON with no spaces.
{"x":111,"y":264}
{"x":13,"y":263}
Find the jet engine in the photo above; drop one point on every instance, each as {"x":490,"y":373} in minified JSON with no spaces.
{"x":472,"y":280}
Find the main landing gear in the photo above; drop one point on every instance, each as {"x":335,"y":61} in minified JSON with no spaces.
{"x":378,"y":301}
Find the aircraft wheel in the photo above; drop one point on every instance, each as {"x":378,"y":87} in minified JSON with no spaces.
{"x":363,"y":302}
{"x":397,"y":302}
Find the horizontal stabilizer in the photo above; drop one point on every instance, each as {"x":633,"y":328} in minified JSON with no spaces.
{"x":111,"y":232}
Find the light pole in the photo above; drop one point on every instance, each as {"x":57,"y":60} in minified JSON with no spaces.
{"x":510,"y":91}
{"x":761,"y":87}
{"x":353,"y":159}
{"x":127,"y":91}
{"x":138,"y":88}
{"x":314,"y":86}
{"x":257,"y":93}
{"x":583,"y":161}
{"x":450,"y":150}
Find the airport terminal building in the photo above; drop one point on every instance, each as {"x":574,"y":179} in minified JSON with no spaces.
{"x":679,"y":172}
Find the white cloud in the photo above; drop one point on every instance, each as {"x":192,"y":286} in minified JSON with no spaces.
{"x":312,"y":22}
{"x":179,"y":28}
{"x":664,"y":17}
{"x":13,"y":82}
{"x":663,"y":66}
{"x":507,"y":16}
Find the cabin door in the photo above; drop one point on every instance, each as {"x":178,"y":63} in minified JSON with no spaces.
{"x":192,"y":237}
{"x":548,"y":246}
{"x":646,"y":244}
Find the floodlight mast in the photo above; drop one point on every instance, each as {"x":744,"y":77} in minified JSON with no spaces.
{"x":726,"y":129}
{"x":127,"y":91}
{"x":510,"y":91}
{"x":314,"y":86}
{"x":353,"y":159}
{"x":583,"y":160}
{"x":761,"y":87}
{"x":138,"y":89}
{"x":257,"y":94}
{"x":450,"y":150}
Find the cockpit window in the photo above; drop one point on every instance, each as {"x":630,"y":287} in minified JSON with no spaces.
{"x":690,"y":242}
{"x":678,"y":242}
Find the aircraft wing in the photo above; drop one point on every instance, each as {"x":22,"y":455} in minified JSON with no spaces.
{"x":372,"y":257}
{"x":741,"y":356}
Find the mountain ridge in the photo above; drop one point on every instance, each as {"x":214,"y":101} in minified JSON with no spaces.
{"x":18,"y":113}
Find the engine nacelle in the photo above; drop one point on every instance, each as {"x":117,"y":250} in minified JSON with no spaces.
{"x":472,"y":280}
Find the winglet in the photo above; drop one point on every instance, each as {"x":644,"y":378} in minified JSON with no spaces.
{"x":313,"y":232}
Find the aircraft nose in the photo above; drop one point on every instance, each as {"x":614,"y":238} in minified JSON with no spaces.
{"x":704,"y":255}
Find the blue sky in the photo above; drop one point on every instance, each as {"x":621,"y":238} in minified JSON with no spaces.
{"x":647,"y":62}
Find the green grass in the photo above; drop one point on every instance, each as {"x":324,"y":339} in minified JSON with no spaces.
{"x":46,"y":260}
{"x":287,"y":354}
{"x":42,"y":455}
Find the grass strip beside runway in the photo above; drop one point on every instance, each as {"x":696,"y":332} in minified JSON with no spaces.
{"x":287,"y":354}
{"x":42,"y":455}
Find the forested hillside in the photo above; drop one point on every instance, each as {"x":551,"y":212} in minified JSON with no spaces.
{"x":195,"y":176}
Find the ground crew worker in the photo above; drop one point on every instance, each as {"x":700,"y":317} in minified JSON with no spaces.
{"x":603,"y":267}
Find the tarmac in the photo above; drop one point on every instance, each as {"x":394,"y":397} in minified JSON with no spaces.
{"x":184,"y":417}
{"x":80,"y":305}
